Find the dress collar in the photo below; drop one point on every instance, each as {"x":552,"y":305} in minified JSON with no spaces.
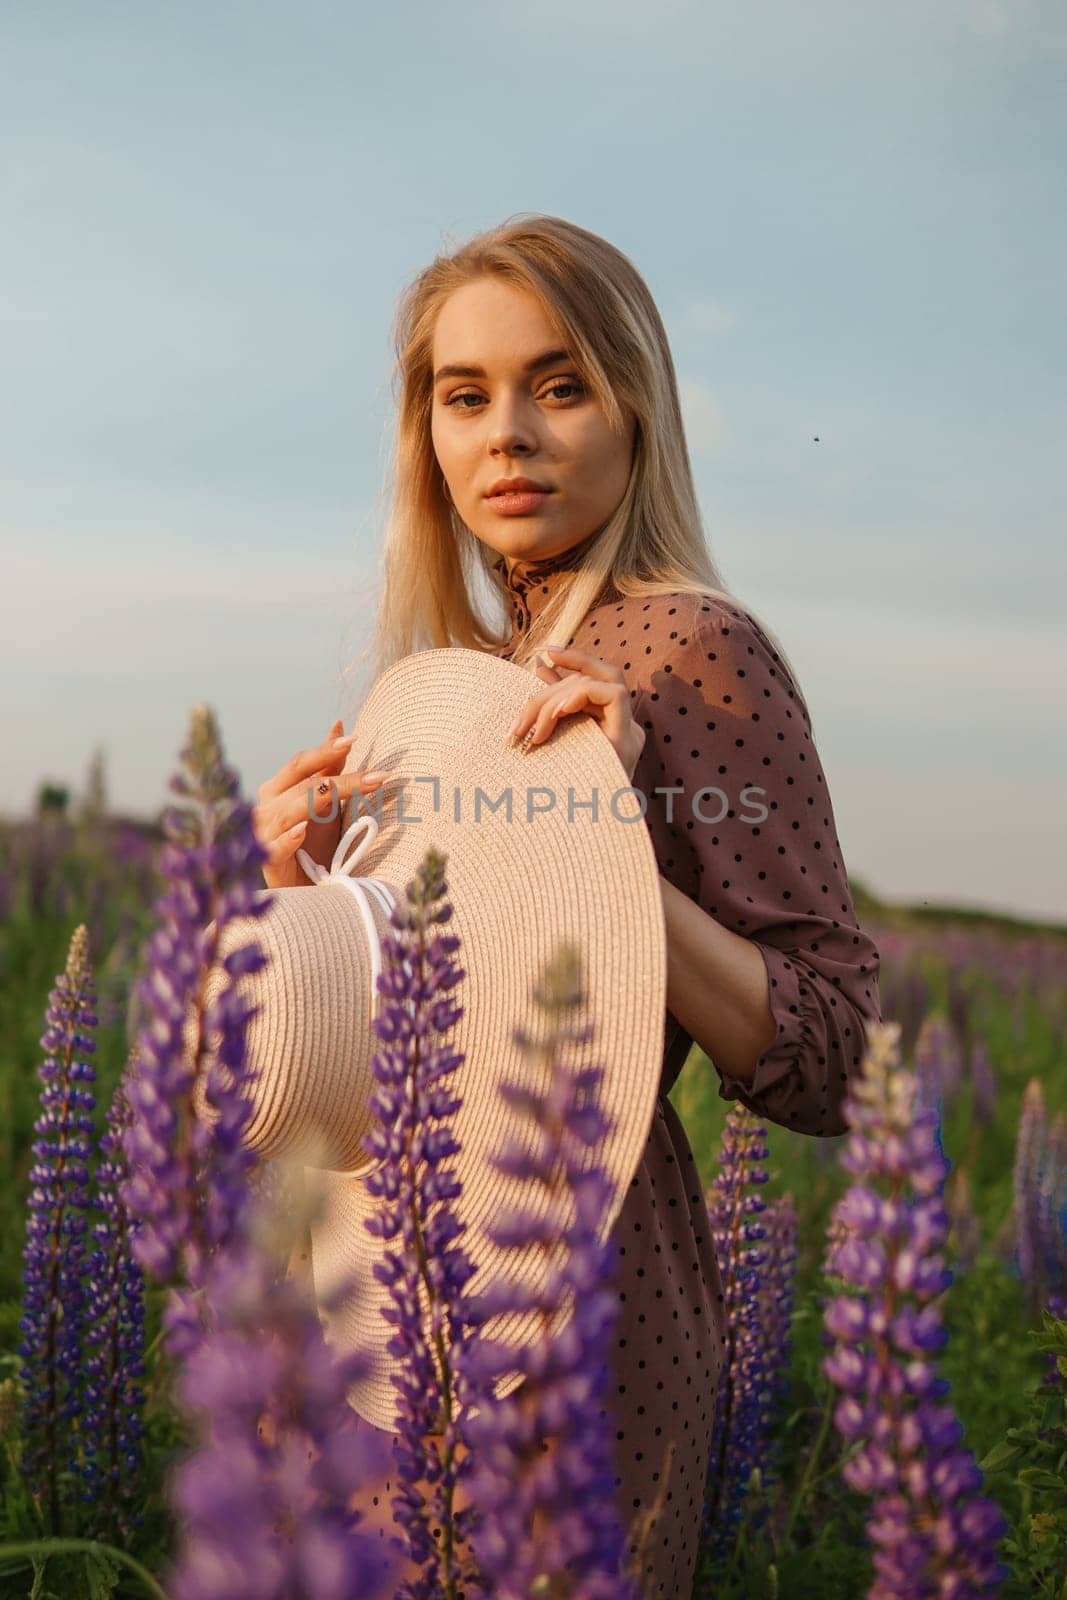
{"x":531,"y":583}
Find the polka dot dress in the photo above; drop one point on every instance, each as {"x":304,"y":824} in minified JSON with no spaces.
{"x":744,"y":826}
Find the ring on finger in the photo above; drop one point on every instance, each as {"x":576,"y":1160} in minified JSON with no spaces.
{"x":552,"y":713}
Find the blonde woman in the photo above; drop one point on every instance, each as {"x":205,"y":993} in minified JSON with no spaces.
{"x":543,"y":508}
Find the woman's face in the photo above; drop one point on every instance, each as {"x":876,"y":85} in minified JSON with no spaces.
{"x":509,"y":419}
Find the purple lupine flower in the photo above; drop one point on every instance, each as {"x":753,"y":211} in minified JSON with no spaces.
{"x":1039,"y":1211}
{"x":1051,"y":1210}
{"x":113,"y":1429}
{"x":1030,"y":1138}
{"x":540,"y":1515}
{"x":965,"y":1233}
{"x":776,"y":1290}
{"x":983,"y":1082}
{"x":413,"y":1141}
{"x":738,"y":1439}
{"x":268,"y":1498}
{"x":53,"y":1305}
{"x":187,"y":1174}
{"x":938,"y":1061}
{"x":933,"y":1533}
{"x":775,"y":1294}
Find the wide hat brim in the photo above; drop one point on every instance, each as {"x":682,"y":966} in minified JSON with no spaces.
{"x":520,"y":888}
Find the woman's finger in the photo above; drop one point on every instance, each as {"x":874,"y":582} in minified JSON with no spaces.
{"x":605,"y":697}
{"x":608,"y":703}
{"x":284,"y":848}
{"x":582,"y":661}
{"x":538,"y":705}
{"x":318,"y":803}
{"x":572,"y":700}
{"x":333,"y":752}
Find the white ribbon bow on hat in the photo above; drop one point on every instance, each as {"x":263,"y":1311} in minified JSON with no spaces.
{"x":342,"y":871}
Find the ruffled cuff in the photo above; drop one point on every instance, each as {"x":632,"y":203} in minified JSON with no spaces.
{"x":795,"y":1014}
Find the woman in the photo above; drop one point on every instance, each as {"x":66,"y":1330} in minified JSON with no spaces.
{"x":536,"y":353}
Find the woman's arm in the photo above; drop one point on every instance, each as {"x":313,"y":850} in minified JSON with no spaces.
{"x":744,"y":834}
{"x":717,"y":986}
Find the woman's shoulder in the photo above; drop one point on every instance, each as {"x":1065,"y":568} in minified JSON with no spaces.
{"x":676,"y":621}
{"x":713,"y":643}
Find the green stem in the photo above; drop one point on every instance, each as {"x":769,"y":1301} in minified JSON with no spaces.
{"x":154,"y":1346}
{"x":809,"y":1467}
{"x":733,"y":1570}
{"x":90,"y":1547}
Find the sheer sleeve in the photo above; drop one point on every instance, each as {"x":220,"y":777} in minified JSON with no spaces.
{"x":747,"y":830}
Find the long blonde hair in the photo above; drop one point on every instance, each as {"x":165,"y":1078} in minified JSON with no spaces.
{"x":654,"y":541}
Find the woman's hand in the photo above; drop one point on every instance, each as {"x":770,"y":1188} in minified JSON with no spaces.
{"x":310,"y":781}
{"x":581,"y":682}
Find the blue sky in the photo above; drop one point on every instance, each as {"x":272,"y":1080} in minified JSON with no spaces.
{"x":852,"y":217}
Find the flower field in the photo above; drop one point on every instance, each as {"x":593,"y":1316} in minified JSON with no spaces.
{"x":892,"y":1420}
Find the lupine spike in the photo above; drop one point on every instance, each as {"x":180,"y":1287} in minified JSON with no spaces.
{"x":547,"y":1521}
{"x":411,"y":1070}
{"x":739,"y":1439}
{"x":933,"y":1534}
{"x":1049,"y":1209}
{"x":983,"y":1082}
{"x":938,"y":1061}
{"x":53,"y":1306}
{"x":965,"y":1234}
{"x":114,"y":1347}
{"x":776,"y":1304}
{"x":188,"y":1179}
{"x":1030,"y":1139}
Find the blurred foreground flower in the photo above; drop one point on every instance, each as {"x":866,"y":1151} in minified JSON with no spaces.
{"x":187,"y":1185}
{"x":268,"y":1499}
{"x":543,"y":1471}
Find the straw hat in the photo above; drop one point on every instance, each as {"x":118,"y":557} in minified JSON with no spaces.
{"x":556,"y":871}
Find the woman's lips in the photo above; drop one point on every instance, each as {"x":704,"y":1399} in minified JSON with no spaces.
{"x":514,"y":505}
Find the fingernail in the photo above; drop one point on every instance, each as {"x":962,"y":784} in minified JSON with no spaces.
{"x":545,"y":659}
{"x":294,"y":833}
{"x":377,"y":775}
{"x":345,"y":739}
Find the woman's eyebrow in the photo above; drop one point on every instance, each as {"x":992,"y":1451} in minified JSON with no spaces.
{"x":458,"y":371}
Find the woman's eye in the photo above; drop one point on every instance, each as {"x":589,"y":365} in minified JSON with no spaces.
{"x":565,"y":383}
{"x":468,"y":394}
